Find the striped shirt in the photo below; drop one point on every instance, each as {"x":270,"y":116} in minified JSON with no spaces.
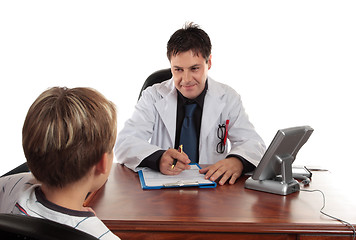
{"x":21,"y":194}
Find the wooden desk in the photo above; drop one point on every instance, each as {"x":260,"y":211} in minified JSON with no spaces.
{"x":228,"y":212}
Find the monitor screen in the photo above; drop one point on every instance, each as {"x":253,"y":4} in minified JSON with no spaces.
{"x":274,"y":172}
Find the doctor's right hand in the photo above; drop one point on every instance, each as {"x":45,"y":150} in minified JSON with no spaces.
{"x":167,"y":159}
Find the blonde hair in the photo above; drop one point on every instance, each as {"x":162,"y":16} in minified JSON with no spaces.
{"x":66,"y":132}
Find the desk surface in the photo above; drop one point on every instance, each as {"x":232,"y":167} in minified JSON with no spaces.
{"x":128,"y":210}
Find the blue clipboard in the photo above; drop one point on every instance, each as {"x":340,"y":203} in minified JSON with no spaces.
{"x":151,"y":179}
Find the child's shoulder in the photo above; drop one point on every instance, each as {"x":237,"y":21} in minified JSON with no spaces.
{"x":13,"y":188}
{"x":17,"y":181}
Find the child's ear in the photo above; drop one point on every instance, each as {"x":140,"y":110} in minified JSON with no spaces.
{"x":102,"y":167}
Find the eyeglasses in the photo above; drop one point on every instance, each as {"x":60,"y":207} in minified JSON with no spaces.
{"x":220,"y":148}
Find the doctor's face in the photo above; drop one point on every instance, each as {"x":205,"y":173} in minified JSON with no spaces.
{"x":189,"y":73}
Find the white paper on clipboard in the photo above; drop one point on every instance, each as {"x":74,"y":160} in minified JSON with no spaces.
{"x":151,"y":179}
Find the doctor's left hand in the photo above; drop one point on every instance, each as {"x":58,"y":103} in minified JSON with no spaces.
{"x":227,"y":168}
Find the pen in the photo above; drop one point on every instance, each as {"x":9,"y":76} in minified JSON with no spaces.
{"x":226,"y":130}
{"x":180,"y":149}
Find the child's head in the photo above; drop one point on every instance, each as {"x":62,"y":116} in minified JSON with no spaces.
{"x":66,"y":132}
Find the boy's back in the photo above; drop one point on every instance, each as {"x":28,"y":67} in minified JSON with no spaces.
{"x":21,"y":194}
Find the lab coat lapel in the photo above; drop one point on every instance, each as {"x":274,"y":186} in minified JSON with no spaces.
{"x":213,"y":106}
{"x":167,"y":109}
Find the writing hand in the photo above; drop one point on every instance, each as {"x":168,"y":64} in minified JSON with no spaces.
{"x":165,"y":165}
{"x":227,"y":168}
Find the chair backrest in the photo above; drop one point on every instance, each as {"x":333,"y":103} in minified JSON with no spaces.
{"x":14,"y":226}
{"x":20,"y":169}
{"x":156,"y":77}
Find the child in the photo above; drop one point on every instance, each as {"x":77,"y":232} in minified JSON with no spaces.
{"x":68,"y":139}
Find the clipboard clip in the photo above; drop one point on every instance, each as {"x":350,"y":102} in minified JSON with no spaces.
{"x":181,"y":184}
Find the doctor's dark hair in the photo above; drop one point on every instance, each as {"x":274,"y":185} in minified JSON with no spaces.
{"x":190,"y":37}
{"x":66,"y":132}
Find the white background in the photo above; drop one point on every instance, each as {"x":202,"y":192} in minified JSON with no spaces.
{"x":293,"y":62}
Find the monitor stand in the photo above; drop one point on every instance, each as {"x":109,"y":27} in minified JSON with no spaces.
{"x":282,"y":185}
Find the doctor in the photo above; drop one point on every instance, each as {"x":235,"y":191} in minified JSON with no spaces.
{"x":223,"y":136}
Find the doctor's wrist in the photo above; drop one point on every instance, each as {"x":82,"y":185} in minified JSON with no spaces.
{"x":247,"y":166}
{"x":153,"y":160}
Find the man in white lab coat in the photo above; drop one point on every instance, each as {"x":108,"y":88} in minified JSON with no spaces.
{"x":225,"y":137}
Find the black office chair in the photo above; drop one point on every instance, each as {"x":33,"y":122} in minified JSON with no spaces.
{"x":156,"y":77}
{"x":30,"y":228}
{"x":22,"y":168}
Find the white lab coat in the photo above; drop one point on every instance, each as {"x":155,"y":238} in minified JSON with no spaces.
{"x":152,"y":126}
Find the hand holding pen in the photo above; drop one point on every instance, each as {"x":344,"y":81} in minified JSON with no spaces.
{"x":180,"y":149}
{"x":174,"y":161}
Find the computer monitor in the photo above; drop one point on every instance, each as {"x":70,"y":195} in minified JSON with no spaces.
{"x":274,"y":172}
